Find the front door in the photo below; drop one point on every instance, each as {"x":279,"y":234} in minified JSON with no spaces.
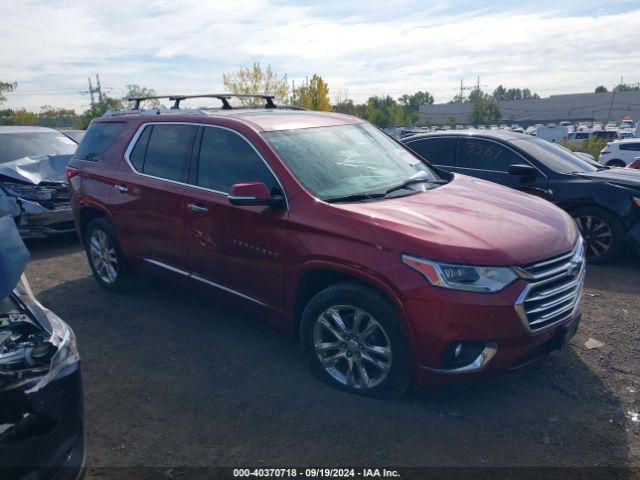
{"x":240,"y":250}
{"x":490,"y":160}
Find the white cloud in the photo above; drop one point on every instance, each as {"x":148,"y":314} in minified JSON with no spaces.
{"x":50,"y":48}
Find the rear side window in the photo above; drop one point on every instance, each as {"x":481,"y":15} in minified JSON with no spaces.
{"x":630,"y":146}
{"x":98,"y":138}
{"x":486,"y":155}
{"x":226,"y":159}
{"x":439,"y":151}
{"x":163,"y":151}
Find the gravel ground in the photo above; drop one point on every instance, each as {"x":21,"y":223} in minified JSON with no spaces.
{"x":172,"y":379}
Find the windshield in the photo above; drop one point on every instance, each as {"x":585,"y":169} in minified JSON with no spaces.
{"x":346,"y":160}
{"x":27,"y":144}
{"x":553,"y":156}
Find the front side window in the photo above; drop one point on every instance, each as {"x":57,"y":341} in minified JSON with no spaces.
{"x":163,"y":151}
{"x":29,"y":144}
{"x":438,"y":151}
{"x":486,"y":155}
{"x":345,"y":160}
{"x":554,"y":157}
{"x":226,"y":159}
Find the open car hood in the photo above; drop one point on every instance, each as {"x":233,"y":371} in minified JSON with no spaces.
{"x":37,"y":169}
{"x":13,"y":256}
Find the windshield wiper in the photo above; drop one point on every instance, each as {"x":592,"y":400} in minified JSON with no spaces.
{"x":356,"y":197}
{"x":413,"y":181}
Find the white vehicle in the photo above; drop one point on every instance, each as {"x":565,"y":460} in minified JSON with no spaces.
{"x":577,"y":139}
{"x":610,"y":127}
{"x":620,"y":153}
{"x":636,"y":132}
{"x":627,"y":124}
{"x":553,"y":134}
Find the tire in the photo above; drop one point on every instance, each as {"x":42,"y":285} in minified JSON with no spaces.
{"x":378,"y":346}
{"x":101,"y":243}
{"x":600,"y":227}
{"x":616,"y":162}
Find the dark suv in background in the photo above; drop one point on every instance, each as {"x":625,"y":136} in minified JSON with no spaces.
{"x":605,"y":202}
{"x":320,"y":223}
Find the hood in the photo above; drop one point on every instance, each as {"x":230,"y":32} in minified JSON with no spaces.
{"x":628,"y":177}
{"x":37,"y":169}
{"x":471,"y":221}
{"x":13,"y":256}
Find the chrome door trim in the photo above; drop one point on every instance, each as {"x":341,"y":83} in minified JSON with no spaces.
{"x":141,"y":128}
{"x":198,"y":278}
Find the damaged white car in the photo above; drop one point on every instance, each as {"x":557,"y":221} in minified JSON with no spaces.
{"x":33,"y":187}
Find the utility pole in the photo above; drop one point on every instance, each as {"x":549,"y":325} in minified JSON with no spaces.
{"x":95,"y":92}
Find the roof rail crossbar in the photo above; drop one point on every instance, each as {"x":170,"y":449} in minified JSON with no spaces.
{"x":224,"y":98}
{"x":138,"y":100}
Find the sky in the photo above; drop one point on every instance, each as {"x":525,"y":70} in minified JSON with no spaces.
{"x":360,"y":47}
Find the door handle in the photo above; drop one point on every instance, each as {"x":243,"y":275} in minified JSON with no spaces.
{"x":196,"y":207}
{"x":121,"y":188}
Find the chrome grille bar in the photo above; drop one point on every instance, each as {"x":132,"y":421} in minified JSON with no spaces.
{"x":554,"y":289}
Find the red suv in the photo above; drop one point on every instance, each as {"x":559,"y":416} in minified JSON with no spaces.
{"x":388,"y":269}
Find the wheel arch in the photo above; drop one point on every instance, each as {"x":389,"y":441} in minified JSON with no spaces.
{"x":86,"y":214}
{"x":316,"y":276}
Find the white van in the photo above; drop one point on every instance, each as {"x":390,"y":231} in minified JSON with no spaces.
{"x":557,"y":134}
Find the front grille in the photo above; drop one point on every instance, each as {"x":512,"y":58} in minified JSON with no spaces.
{"x":554,"y":290}
{"x":61,"y":198}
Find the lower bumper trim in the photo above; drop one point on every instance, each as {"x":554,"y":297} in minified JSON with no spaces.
{"x":477,"y":365}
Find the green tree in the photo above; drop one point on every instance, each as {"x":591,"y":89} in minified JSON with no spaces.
{"x":106,"y":104}
{"x":50,"y":116}
{"x":625,"y":87}
{"x":255,"y":80}
{"x":6,"y":87}
{"x":134,"y":91}
{"x":501,"y":94}
{"x":314,"y":95}
{"x":412,"y":104}
{"x":485,"y":110}
{"x":601,"y":89}
{"x":385,"y":112}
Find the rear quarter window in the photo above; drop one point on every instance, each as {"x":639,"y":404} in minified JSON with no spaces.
{"x":98,"y":138}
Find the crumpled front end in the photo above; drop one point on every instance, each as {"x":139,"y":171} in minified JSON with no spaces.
{"x":40,"y":219}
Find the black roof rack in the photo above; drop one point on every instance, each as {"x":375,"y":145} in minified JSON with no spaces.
{"x":138,"y":100}
{"x":224,"y":98}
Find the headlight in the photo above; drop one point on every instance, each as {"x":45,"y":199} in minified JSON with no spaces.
{"x":64,"y":340}
{"x":462,"y":277}
{"x":29,"y":192}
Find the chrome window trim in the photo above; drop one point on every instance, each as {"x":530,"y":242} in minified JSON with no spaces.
{"x":198,"y":278}
{"x":144,"y":125}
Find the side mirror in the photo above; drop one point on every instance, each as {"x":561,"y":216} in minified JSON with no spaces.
{"x":252,"y":194}
{"x":522,"y":170}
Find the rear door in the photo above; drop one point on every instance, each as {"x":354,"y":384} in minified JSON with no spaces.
{"x":489,"y":159}
{"x":439,"y":151}
{"x":240,"y":250}
{"x":148,"y":202}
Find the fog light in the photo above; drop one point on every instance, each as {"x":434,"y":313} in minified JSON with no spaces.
{"x":460,"y":354}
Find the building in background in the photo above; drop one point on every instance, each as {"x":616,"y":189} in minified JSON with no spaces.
{"x":574,"y":107}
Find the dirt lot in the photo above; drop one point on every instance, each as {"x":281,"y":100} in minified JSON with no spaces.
{"x":175,"y":380}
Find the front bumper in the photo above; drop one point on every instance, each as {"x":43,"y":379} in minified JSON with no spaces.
{"x":36,"y":221}
{"x":441,"y":318}
{"x":42,"y":432}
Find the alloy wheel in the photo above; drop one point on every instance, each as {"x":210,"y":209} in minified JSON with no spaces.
{"x":103,"y":257}
{"x":597,"y":235}
{"x":352,"y":347}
